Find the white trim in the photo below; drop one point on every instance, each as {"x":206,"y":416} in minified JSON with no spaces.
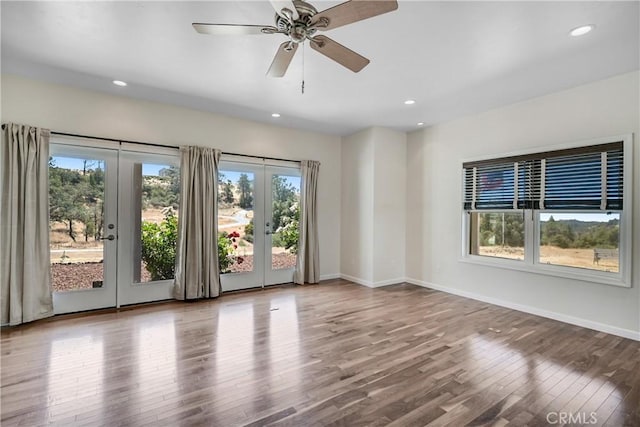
{"x":130,"y":292}
{"x":331,"y":276}
{"x":108,"y":295}
{"x":585,"y":323}
{"x":369,"y":283}
{"x":78,"y":141}
{"x":149,"y":149}
{"x":626,"y":240}
{"x":389,"y":282}
{"x":357,"y":280}
{"x":575,"y":273}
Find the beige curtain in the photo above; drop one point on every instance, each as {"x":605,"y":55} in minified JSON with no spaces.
{"x":197,"y":270}
{"x":308,"y":261}
{"x":24,"y":224}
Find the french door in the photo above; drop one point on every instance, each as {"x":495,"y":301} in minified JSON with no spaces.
{"x":83,"y":223}
{"x":258,"y":213}
{"x":113,"y":212}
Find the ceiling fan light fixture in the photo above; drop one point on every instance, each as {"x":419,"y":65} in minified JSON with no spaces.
{"x":420,"y":123}
{"x":582,"y":30}
{"x":275,"y":115}
{"x":119,"y":83}
{"x":409,"y":102}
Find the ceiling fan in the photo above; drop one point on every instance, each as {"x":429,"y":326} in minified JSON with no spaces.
{"x":300,"y":21}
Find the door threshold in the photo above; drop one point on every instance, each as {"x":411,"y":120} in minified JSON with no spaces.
{"x":262,"y":288}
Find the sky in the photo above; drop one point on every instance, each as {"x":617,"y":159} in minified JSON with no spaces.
{"x":596,"y":216}
{"x":235,"y":176}
{"x":149,"y":169}
{"x":75,"y":163}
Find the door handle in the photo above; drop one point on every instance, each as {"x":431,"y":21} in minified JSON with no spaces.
{"x":267,"y":232}
{"x":109,"y":237}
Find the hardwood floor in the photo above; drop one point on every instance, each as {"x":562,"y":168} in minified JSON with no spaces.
{"x":331,"y":354}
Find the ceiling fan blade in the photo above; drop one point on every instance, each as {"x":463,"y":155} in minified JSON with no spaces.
{"x":233,"y":29}
{"x":342,"y":55}
{"x":278,"y":5}
{"x":352,"y":11}
{"x":282,"y":59}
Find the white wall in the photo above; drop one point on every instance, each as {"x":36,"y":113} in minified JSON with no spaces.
{"x":389,"y":205}
{"x":367,"y":218}
{"x":357,"y":207}
{"x":66,"y":109}
{"x":605,"y":108}
{"x":373,"y":206}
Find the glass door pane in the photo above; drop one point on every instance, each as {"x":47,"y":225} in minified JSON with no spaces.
{"x":282,"y":223}
{"x":240,"y":225}
{"x":149,"y":210}
{"x":76,"y":222}
{"x":82,"y":227}
{"x":156,"y":203}
{"x":236,"y":195}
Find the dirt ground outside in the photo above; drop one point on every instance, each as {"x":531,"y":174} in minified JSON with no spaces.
{"x":77,"y":276}
{"x":581,"y":258}
{"x":78,"y":265}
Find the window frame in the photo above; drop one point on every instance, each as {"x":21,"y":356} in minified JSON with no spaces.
{"x":531,"y":262}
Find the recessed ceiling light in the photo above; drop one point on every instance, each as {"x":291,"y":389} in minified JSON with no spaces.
{"x":420,"y":123}
{"x":581,"y":31}
{"x":409,"y":102}
{"x":119,"y":83}
{"x":276,"y":115}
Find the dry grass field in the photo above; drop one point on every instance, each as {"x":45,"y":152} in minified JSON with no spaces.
{"x":581,"y":258}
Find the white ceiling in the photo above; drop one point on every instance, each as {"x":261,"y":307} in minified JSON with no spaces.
{"x":453,"y":58}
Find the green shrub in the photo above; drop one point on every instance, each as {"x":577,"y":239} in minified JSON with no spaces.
{"x":159,"y":243}
{"x":159,"y":246}
{"x":225,"y":252}
{"x":289,"y":232}
{"x":248,"y":231}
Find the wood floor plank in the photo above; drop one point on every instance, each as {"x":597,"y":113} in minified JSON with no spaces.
{"x":334,"y":354}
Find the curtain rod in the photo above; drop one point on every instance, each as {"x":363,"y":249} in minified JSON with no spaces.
{"x":112,"y":139}
{"x":166,"y":146}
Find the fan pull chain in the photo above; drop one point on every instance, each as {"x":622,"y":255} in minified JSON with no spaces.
{"x":303,"y":49}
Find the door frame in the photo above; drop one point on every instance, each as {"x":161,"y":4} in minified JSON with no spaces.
{"x":105,"y":296}
{"x":118,"y":288}
{"x":129,"y":292}
{"x":271,"y":275}
{"x":255,"y":278}
{"x":262,"y":274}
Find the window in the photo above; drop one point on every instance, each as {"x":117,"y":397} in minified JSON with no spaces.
{"x":562,"y":212}
{"x":497,"y":234}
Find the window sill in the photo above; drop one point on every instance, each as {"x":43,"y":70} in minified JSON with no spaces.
{"x":549,"y":270}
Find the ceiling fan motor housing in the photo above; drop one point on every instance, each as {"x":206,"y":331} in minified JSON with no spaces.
{"x":298,"y":30}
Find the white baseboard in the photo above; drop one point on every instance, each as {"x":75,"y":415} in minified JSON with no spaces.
{"x":388,"y":282}
{"x":357,"y":280}
{"x":585,"y":323}
{"x":330,"y":276}
{"x":369,"y":283}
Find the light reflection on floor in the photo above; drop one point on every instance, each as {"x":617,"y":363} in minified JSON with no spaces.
{"x":251,"y":355}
